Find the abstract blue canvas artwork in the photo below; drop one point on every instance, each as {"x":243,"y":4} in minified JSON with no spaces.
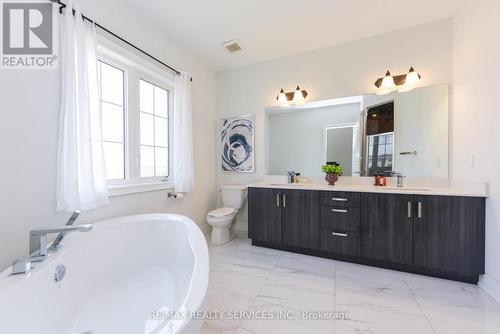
{"x":237,"y":144}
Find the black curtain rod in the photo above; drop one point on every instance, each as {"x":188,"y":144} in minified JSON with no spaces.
{"x":63,"y":5}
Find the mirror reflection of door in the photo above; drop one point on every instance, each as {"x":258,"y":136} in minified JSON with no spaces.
{"x":341,"y":147}
{"x":380,"y":139}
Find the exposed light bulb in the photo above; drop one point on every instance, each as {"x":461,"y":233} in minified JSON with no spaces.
{"x":298,"y":98}
{"x":282,"y":100}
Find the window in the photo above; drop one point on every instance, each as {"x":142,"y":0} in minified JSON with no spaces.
{"x":135,"y":103}
{"x":380,"y":153}
{"x":113,"y":124}
{"x":154,"y":130}
{"x":380,"y":138}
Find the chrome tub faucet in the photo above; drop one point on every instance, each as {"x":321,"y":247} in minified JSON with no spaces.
{"x":55,"y":245}
{"x":39,"y":250}
{"x":38,"y":239}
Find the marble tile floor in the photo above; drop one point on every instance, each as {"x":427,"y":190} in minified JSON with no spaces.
{"x":252,"y":281}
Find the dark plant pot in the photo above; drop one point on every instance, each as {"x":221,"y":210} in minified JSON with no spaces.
{"x":331,"y":178}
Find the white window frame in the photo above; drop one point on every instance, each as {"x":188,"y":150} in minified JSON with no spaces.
{"x":136,"y":67}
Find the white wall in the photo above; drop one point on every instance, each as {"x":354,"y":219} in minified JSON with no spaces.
{"x":476,"y":115}
{"x":342,"y":70}
{"x":29,"y":107}
{"x":296,"y":139}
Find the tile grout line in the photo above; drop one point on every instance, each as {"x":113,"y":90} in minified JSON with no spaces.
{"x":257,"y":293}
{"x":252,"y":298}
{"x":275,"y":261}
{"x":418,"y":303}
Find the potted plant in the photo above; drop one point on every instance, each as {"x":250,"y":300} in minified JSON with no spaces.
{"x":332,"y":173}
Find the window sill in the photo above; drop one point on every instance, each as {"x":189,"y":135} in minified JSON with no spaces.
{"x":125,"y":189}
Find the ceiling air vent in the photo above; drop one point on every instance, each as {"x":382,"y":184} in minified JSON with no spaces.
{"x":232,"y":45}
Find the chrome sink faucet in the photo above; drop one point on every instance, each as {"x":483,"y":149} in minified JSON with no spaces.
{"x":292,"y":176}
{"x":400,"y":178}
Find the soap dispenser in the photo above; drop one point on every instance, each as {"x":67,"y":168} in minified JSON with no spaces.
{"x":382,"y":180}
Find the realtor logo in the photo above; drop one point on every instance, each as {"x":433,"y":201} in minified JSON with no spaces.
{"x":28,"y":39}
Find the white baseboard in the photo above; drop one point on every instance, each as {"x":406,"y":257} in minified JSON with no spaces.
{"x":491,"y":286}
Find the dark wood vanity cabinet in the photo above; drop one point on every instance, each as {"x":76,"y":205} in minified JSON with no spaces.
{"x":300,"y":218}
{"x":264,"y":213}
{"x":340,"y":223}
{"x":386,"y":227}
{"x":345,"y":243}
{"x":288,"y":217}
{"x":448,"y":233}
{"x":440,"y":236}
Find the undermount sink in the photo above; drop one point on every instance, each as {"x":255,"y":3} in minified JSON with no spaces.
{"x":286,"y":184}
{"x":405,"y":188}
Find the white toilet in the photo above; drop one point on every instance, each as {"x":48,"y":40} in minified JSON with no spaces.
{"x":222,"y":219}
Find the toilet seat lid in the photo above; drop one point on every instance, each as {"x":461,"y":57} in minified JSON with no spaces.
{"x":221,"y":212}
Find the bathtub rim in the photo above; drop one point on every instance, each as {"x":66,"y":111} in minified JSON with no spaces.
{"x":197,"y":243}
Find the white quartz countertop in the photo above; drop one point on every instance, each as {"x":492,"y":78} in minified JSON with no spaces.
{"x":466,"y":190}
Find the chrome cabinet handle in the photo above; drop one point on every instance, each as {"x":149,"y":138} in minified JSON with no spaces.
{"x":339,"y":199}
{"x":284,"y":200}
{"x":278,"y":200}
{"x":335,"y":234}
{"x":409,"y":209}
{"x":339,"y":210}
{"x":419,"y":210}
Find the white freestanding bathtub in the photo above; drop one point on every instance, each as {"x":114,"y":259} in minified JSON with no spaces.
{"x":126,"y":275}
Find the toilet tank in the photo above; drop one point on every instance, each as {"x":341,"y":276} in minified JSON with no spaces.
{"x":233,"y":196}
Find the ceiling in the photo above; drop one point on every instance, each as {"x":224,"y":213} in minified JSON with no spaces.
{"x":270,"y":29}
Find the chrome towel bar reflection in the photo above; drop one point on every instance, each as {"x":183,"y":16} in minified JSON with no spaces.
{"x":408,"y":153}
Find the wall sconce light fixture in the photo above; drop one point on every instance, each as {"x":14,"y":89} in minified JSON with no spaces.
{"x":298,"y":96}
{"x":401,"y":83}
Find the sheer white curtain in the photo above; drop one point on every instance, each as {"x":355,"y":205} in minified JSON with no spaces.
{"x":81,"y":172}
{"x":183,"y":169}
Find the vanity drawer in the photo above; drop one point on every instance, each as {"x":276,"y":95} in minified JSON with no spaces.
{"x":340,"y":242}
{"x":339,"y":198}
{"x":340,"y":218}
